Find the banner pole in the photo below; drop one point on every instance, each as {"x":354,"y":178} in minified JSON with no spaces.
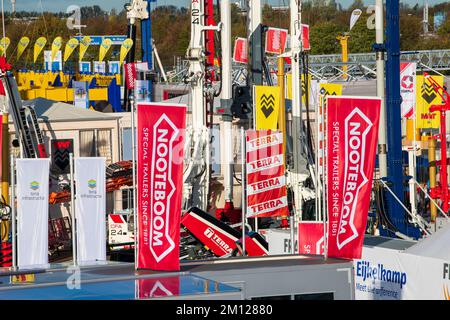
{"x":243,"y":202}
{"x":72,"y":211}
{"x":13,"y":214}
{"x":133,"y":144}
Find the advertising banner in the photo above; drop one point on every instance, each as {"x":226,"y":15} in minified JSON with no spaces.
{"x":265,"y":168}
{"x":130,"y":75}
{"x":267,"y":107}
{"x":56,"y":46}
{"x":32,"y":212}
{"x":160,"y":141}
{"x":356,"y":14}
{"x":387,"y":274}
{"x":426,"y":97}
{"x":38,"y":47}
{"x":331,"y":89}
{"x":90,"y":208}
{"x":240,"y":53}
{"x":1,"y":141}
{"x":280,"y":241}
{"x":21,"y":46}
{"x":305,"y":37}
{"x":81,"y":94}
{"x":352,"y":134}
{"x":289,"y":88}
{"x":4,"y":44}
{"x":276,"y":40}
{"x":85,"y":42}
{"x":104,"y":48}
{"x":70,"y":48}
{"x":124,"y":49}
{"x":408,"y":88}
{"x":99,"y":66}
{"x":311,"y":237}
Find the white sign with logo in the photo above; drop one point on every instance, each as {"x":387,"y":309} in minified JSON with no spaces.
{"x":55,"y":64}
{"x":280,"y":242}
{"x":32,"y":212}
{"x":90,"y":209}
{"x":386,"y":274}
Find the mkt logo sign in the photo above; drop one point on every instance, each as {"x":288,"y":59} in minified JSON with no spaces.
{"x":162,"y":187}
{"x":357,"y":126}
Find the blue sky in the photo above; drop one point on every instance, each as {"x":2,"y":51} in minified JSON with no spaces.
{"x":61,"y":5}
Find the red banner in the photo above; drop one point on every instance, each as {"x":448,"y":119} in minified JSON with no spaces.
{"x":157,"y":287}
{"x":266,"y":182}
{"x":240,"y":53}
{"x":160,"y":142}
{"x":305,"y":37}
{"x":352,"y":133}
{"x":130,"y":75}
{"x":311,"y":237}
{"x":276,"y":40}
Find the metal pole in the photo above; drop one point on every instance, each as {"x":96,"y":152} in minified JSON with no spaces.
{"x":5,"y":157}
{"x":432,"y":173}
{"x":292,"y":224}
{"x":382,"y":149}
{"x":72,"y":212}
{"x":243,"y":185}
{"x":133,"y":160}
{"x":226,"y":98}
{"x":13,"y":215}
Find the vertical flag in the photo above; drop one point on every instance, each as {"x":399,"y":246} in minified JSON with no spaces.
{"x":425,"y":97}
{"x":21,"y":46}
{"x":408,"y":88}
{"x":267,"y":107}
{"x":56,"y":46}
{"x":266,"y":182}
{"x":4,"y":44}
{"x":126,"y":47}
{"x":70,"y":47}
{"x":38,"y":47}
{"x":160,"y":141}
{"x":305,"y":37}
{"x":32,"y":211}
{"x":90,"y":208}
{"x":352,"y":134}
{"x":356,"y":14}
{"x":104,"y":48}
{"x":240,"y":53}
{"x":84,"y":45}
{"x":330,"y":89}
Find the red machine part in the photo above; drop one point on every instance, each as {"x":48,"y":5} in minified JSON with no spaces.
{"x":212,"y":233}
{"x":209,"y":37}
{"x":255,"y":245}
{"x":441,"y":191}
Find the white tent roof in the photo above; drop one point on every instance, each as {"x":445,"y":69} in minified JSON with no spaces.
{"x":50,"y":111}
{"x":435,"y":246}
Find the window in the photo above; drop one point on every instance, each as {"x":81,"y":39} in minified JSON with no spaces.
{"x":96,"y":143}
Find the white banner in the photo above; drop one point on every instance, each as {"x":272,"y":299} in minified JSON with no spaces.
{"x":386,"y":274}
{"x":408,"y":89}
{"x":32,"y":212}
{"x":90,"y":209}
